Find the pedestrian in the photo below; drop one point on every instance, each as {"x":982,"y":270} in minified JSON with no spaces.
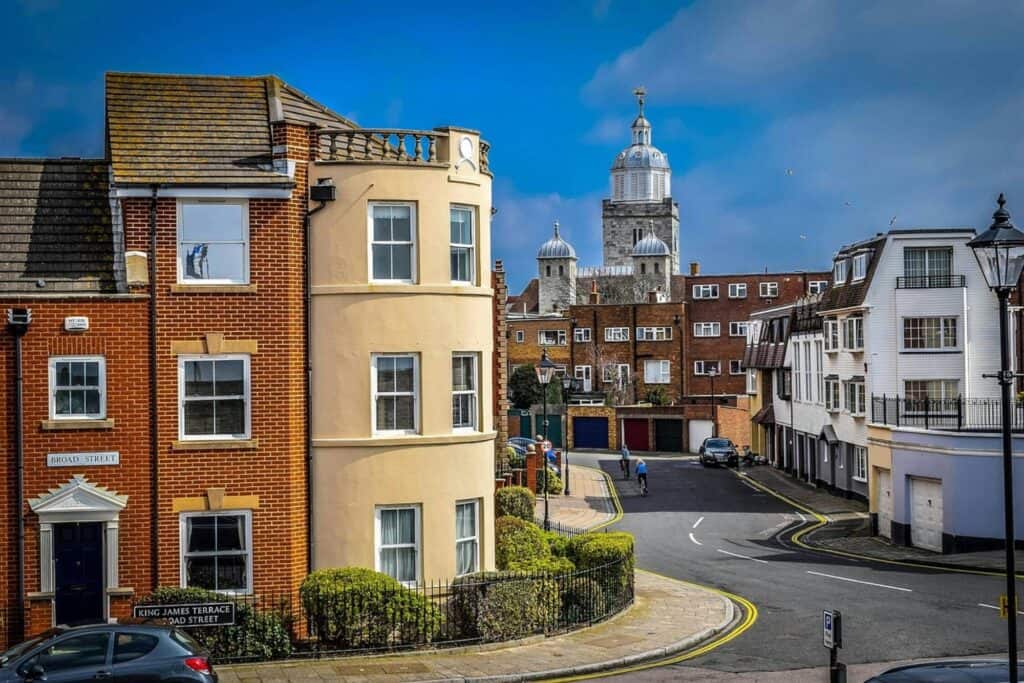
{"x":624,"y":462}
{"x":641,"y":475}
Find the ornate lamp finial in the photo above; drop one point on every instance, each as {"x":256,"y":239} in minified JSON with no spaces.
{"x":556,"y":227}
{"x":641,"y":93}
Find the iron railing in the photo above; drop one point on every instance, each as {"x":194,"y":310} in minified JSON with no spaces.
{"x":561,"y":529}
{"x":929,"y":281}
{"x":378,"y":616}
{"x":949,"y":414}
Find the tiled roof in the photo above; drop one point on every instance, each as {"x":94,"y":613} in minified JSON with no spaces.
{"x":190,"y":130}
{"x":527,"y":301}
{"x":850,"y":293}
{"x":56,"y":233}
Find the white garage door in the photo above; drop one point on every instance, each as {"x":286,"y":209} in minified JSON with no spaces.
{"x":885,"y":503}
{"x":699,"y":430}
{"x":926,"y":513}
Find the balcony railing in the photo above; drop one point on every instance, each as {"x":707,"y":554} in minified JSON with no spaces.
{"x":388,"y":145}
{"x":950,"y":414}
{"x":929,"y":281}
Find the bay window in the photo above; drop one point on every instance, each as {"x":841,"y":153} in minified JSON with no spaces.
{"x":395,"y":384}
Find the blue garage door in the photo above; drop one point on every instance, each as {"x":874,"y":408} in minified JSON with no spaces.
{"x":590,"y":432}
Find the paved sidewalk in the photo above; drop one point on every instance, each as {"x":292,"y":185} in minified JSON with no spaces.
{"x":849,"y":529}
{"x":669,"y":616}
{"x":589,"y":503}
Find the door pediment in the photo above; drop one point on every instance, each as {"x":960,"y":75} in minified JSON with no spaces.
{"x":78,"y":500}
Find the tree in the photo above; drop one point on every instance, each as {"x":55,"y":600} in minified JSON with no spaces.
{"x":524,"y":389}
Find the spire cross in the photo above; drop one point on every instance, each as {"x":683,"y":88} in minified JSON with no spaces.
{"x":556,"y":227}
{"x":641,"y":93}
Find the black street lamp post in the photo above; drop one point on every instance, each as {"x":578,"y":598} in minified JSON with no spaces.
{"x":712,"y":373}
{"x":1000,"y":253}
{"x":545,"y":372}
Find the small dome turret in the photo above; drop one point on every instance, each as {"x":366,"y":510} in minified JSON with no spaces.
{"x":650,"y":245}
{"x":556,"y":247}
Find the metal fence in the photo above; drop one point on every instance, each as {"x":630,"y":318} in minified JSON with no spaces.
{"x":378,"y":615}
{"x":953,"y":414}
{"x":561,"y":529}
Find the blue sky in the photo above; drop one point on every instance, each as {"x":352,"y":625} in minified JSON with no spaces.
{"x":879,"y":109}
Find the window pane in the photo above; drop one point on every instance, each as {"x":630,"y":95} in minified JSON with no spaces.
{"x":201,"y":532}
{"x":92,"y":374}
{"x":382,"y":223}
{"x":461,"y":226}
{"x":388,"y":527}
{"x":385,"y":413}
{"x":205,"y":261}
{"x":231,"y":572}
{"x":62,"y":403}
{"x":230,"y":377}
{"x":385,"y":373}
{"x":63,"y":372}
{"x":199,"y":378}
{"x":89,"y":650}
{"x":465,"y":520}
{"x":382,"y":262}
{"x":406,"y":564}
{"x":198,"y":418}
{"x":77,"y":374}
{"x":77,"y":402}
{"x":465,"y":557}
{"x":462,"y":410}
{"x":404,"y":413}
{"x":230,"y":532}
{"x":463,"y":378}
{"x":460,"y":257}
{"x":401,"y":262}
{"x":92,"y":401}
{"x":129,"y":646}
{"x":406,"y":525}
{"x":401,"y":224}
{"x":201,"y":572}
{"x":404,"y":375}
{"x":229,"y":416}
{"x":940,"y":262}
{"x":211,"y":222}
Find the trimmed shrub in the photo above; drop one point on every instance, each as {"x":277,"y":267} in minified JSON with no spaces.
{"x":495,"y":606}
{"x":514,"y":459}
{"x":355,"y":607}
{"x":583,"y":601}
{"x":515,"y":501}
{"x":518,"y":541}
{"x":558,"y":544}
{"x":255,"y":635}
{"x":590,"y":551}
{"x":545,"y":565}
{"x":554,"y":483}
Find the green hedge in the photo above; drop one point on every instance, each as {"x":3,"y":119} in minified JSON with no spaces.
{"x":554,"y":483}
{"x":354,"y":607}
{"x":593,"y":550}
{"x":515,"y":501}
{"x":583,"y":601}
{"x":558,"y":544}
{"x":518,"y":541}
{"x":495,"y":606}
{"x":256,"y":634}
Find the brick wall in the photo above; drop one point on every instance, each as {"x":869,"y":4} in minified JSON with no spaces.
{"x":593,"y":411}
{"x":734,"y":422}
{"x":528,"y":351}
{"x":500,"y":369}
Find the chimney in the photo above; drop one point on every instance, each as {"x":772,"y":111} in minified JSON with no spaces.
{"x":595,"y":296}
{"x":694,"y":268}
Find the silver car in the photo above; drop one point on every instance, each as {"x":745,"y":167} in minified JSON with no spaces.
{"x":718,"y":451}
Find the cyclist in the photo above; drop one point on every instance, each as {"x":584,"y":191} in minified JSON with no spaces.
{"x":641,"y":476}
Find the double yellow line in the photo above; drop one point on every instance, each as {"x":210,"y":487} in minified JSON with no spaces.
{"x":749,"y":611}
{"x":820,"y":521}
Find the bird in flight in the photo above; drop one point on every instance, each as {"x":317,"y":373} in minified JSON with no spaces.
{"x":892,"y":221}
{"x":789,"y":171}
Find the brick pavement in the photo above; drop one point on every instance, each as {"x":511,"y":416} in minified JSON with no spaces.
{"x":849,"y":528}
{"x":588,"y":505}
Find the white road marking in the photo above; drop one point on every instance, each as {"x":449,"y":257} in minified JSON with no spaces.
{"x":981,"y":604}
{"x":697,"y":523}
{"x":692,"y":538}
{"x":802,"y":518}
{"x":742,"y":557}
{"x":866,"y":583}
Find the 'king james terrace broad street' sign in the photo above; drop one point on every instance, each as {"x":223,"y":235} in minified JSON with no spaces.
{"x":189,"y":616}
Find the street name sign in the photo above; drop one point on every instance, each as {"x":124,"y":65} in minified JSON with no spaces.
{"x":189,"y":616}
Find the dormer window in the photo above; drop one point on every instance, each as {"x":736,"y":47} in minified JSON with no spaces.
{"x":860,"y":266}
{"x":839,"y":272}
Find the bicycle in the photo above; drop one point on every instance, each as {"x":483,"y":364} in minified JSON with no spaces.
{"x":642,"y":481}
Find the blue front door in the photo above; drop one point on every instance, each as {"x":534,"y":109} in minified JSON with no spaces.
{"x":78,"y":572}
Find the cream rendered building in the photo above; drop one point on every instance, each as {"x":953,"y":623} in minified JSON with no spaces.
{"x":401,"y":351}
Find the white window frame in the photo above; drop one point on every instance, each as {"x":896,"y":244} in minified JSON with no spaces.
{"x":248,"y":552}
{"x":615,"y":372}
{"x":247,"y":395}
{"x":797,"y":389}
{"x":839,"y":272}
{"x":471,"y":247}
{"x":616,"y":334}
{"x":246,"y":244}
{"x":736,"y":366}
{"x":768,"y":290}
{"x":581,"y":335}
{"x":808,"y":374}
{"x":415,"y":394}
{"x":413,"y":234}
{"x":833,"y":394}
{"x":101,"y":375}
{"x":859,"y":407}
{"x":860,"y":464}
{"x":560,"y":338}
{"x":831,"y":335}
{"x":418,"y":545}
{"x":662,"y":373}
{"x":860,"y":267}
{"x":705,"y":291}
{"x":853,"y":329}
{"x":737,"y":290}
{"x":738,"y":328}
{"x":520,"y":336}
{"x":708,"y":329}
{"x":474,"y":392}
{"x":820,"y":371}
{"x":474,"y":539}
{"x":943,"y":383}
{"x":751,"y":381}
{"x":700,"y":367}
{"x":654,"y":334}
{"x":817,"y":286}
{"x":944,"y":333}
{"x":584,"y":373}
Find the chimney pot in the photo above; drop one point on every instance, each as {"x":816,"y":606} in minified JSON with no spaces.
{"x":694,"y":267}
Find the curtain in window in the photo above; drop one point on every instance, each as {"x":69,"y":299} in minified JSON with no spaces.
{"x":940,"y":262}
{"x":465,"y":535}
{"x":914,"y":263}
{"x":398,"y":528}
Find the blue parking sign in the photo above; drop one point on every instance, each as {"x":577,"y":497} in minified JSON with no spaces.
{"x":828,"y":629}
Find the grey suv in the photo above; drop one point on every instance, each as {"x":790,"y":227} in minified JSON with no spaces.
{"x":718,"y":451}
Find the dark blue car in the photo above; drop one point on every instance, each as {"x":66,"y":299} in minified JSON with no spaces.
{"x":954,"y":671}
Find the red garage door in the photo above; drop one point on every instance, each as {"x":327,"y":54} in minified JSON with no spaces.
{"x":636,"y":435}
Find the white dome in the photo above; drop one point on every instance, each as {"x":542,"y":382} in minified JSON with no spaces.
{"x":556,"y":247}
{"x":651,"y":245}
{"x":641,"y":156}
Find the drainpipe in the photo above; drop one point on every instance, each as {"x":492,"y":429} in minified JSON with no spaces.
{"x":307,"y":305}
{"x":154,"y":447}
{"x":18,"y":320}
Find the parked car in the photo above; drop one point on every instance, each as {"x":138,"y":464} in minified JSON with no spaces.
{"x":522,"y":442}
{"x":718,"y":451}
{"x":953,"y":671}
{"x":116,"y":652}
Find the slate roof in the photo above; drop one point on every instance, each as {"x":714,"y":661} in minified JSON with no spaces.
{"x":190,"y":130}
{"x":850,"y":293}
{"x":56,"y":232}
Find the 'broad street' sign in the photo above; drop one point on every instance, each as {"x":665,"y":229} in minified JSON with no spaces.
{"x":189,"y":616}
